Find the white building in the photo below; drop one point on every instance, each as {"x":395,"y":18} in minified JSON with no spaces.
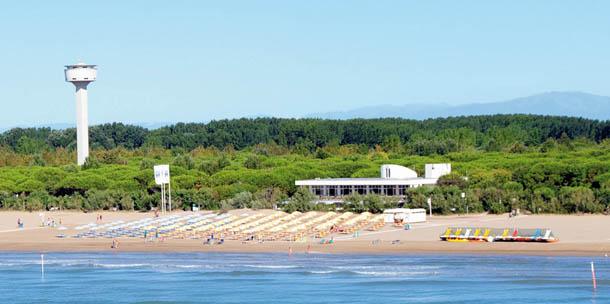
{"x":394,"y":180}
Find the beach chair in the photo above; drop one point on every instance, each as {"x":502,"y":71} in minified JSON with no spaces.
{"x":505,"y":233}
{"x":537,"y":235}
{"x":447,"y":234}
{"x":548,"y":236}
{"x":476,"y":234}
{"x":515,"y":234}
{"x":457,"y":233}
{"x":466,"y":234}
{"x":486,"y":234}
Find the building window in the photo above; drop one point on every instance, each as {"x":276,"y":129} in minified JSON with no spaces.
{"x":332,"y":191}
{"x":375,"y":189}
{"x":360,"y":189}
{"x":317,"y":190}
{"x":389,"y":190}
{"x":345,"y":190}
{"x":402,"y":189}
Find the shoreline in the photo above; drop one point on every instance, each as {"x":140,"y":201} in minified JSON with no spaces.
{"x":347,"y":247}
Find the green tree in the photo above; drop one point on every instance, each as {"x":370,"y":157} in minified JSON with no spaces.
{"x":579,"y":199}
{"x":302,"y":201}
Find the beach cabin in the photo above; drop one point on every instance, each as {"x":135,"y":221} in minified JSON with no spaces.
{"x":407,"y":215}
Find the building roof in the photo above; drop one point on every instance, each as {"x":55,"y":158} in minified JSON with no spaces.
{"x":80,"y":64}
{"x":364,"y":181}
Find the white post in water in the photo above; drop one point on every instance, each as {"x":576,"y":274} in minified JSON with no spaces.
{"x":80,"y":75}
{"x":42,"y":265}
{"x":593,"y":276}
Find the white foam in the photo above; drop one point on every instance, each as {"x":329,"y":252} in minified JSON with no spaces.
{"x":321,"y":271}
{"x":192,"y":266}
{"x":392,"y":273}
{"x":121,"y":265}
{"x":272,"y":266}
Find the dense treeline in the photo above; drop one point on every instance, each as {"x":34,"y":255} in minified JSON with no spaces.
{"x":536,"y":163}
{"x":427,"y":137}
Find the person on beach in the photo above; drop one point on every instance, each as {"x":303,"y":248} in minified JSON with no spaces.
{"x":114,"y":244}
{"x":289,"y":250}
{"x":308,"y":249}
{"x":19,"y":223}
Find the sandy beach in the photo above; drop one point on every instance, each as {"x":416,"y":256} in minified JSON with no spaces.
{"x":578,"y":235}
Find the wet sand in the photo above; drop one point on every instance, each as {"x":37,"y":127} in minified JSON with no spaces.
{"x":578,"y":235}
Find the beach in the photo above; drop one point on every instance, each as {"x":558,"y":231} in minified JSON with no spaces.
{"x":579,"y":235}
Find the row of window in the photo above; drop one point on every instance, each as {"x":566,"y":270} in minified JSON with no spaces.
{"x":359,"y":189}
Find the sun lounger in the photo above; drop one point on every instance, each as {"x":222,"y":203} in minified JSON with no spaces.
{"x":446,"y":234}
{"x":475,"y":236}
{"x":466,"y":234}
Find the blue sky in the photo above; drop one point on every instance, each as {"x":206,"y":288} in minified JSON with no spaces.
{"x":201,"y":60}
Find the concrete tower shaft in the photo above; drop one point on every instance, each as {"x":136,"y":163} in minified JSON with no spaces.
{"x":81,"y":75}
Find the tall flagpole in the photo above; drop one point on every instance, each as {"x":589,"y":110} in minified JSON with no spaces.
{"x":169,"y":188}
{"x":162,"y":198}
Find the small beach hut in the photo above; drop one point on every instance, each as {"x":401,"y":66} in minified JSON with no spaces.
{"x":407,"y":215}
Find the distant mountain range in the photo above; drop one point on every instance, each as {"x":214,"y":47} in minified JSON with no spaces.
{"x":575,"y":104}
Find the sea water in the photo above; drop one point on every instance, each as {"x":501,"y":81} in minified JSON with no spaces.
{"x":299,"y":278}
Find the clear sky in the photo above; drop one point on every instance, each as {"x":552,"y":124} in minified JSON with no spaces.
{"x":201,"y":60}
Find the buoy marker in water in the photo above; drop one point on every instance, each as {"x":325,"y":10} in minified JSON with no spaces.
{"x":593,"y":276}
{"x":42,"y":264}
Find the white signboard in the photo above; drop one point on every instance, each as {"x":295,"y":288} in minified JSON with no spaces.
{"x":162,"y":174}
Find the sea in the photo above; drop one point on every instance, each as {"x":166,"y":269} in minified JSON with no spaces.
{"x":299,"y":278}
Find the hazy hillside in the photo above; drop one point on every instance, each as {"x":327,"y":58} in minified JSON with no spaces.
{"x":576,"y":104}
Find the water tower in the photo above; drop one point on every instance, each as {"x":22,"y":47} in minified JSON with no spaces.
{"x":80,"y":75}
